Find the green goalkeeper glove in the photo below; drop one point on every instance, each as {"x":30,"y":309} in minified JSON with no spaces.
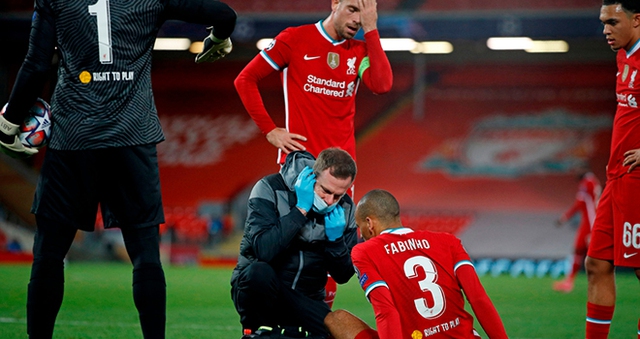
{"x":214,"y":48}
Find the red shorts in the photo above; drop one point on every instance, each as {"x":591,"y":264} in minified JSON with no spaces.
{"x":616,"y":230}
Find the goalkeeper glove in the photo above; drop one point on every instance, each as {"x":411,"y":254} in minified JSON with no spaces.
{"x":214,"y":48}
{"x":10,"y":143}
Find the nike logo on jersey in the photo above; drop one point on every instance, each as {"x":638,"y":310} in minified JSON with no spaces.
{"x":306,"y":57}
{"x":627,"y":256}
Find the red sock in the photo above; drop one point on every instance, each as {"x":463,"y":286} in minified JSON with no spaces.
{"x":598,"y":321}
{"x":638,"y":328}
{"x":368,"y":334}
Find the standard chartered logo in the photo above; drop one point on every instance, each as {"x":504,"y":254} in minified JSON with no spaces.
{"x":330,"y":87}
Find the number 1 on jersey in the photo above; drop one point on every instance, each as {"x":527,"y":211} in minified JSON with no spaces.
{"x":101,"y":10}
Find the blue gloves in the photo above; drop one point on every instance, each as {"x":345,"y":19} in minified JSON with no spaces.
{"x":334,"y":223}
{"x":304,"y":188}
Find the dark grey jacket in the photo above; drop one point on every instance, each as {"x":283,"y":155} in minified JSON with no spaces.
{"x":295,"y":245}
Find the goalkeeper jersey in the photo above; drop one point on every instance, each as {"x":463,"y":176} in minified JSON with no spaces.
{"x":419,"y":270}
{"x":103,"y":96}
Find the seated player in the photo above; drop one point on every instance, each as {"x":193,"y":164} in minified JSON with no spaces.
{"x":413,"y":279}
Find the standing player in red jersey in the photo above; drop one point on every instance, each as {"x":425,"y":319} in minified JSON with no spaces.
{"x":589,"y":190}
{"x":615,"y":237}
{"x":413,"y":279}
{"x":321,"y":67}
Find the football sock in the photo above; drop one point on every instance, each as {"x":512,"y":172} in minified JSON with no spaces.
{"x":149,"y":296}
{"x":149,"y":286}
{"x":46,"y":285}
{"x":367,"y":334}
{"x":638,"y":328}
{"x":598,"y":321}
{"x":44,"y":297}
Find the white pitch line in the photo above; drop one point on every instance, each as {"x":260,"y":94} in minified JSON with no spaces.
{"x":4,"y":320}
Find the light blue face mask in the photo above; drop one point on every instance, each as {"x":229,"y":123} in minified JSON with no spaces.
{"x":320,"y":206}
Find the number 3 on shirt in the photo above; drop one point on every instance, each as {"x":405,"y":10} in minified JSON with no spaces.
{"x":427,"y":285}
{"x":101,"y":10}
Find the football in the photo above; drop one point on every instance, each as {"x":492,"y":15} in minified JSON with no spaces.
{"x":35,"y":130}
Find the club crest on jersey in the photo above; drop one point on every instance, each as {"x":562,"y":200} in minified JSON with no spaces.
{"x":625,"y":73}
{"x":333,"y":60}
{"x":351,"y":63}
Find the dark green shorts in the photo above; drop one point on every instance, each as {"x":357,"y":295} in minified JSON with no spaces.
{"x":124,"y":181}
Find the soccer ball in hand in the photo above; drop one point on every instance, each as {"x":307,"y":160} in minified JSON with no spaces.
{"x":35,"y":130}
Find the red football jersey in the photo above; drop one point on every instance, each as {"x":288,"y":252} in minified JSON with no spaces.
{"x":626,"y":125}
{"x":320,"y":78}
{"x":419,"y":269}
{"x":589,"y":191}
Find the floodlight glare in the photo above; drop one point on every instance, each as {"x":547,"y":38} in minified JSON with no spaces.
{"x":172,"y":44}
{"x":509,"y":43}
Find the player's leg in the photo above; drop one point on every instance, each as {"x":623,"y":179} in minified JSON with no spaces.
{"x":149,"y":286}
{"x":131,"y":200}
{"x":46,"y":285}
{"x":601,"y":293}
{"x":342,"y":324}
{"x":255,"y":294}
{"x":579,"y":254}
{"x":306,"y":311}
{"x":64,"y":201}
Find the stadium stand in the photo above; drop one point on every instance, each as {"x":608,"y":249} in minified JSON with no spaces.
{"x":471,"y":5}
{"x":278,"y":6}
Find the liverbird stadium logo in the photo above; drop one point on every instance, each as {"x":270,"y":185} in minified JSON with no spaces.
{"x":510,"y":146}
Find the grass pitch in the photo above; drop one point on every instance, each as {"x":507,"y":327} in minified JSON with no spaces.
{"x":98,"y":304}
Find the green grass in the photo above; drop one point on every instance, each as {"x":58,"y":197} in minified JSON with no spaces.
{"x":98,"y":304}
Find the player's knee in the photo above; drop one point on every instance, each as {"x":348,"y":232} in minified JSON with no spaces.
{"x":46,"y":268}
{"x":259,"y":276}
{"x":148,"y":272}
{"x":597,"y":267}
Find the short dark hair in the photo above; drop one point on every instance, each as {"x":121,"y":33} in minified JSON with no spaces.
{"x":340,"y":164}
{"x":632,"y":6}
{"x":381,"y":204}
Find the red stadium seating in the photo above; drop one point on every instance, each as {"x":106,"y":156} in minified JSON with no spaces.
{"x":450,"y":5}
{"x":278,"y":6}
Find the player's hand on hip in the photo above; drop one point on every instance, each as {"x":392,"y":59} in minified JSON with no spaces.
{"x":10,"y":143}
{"x":334,"y":223}
{"x":631,"y":159}
{"x":368,"y":15}
{"x":285,"y":141}
{"x":304,"y":189}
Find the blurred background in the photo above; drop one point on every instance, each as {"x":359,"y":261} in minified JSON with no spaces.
{"x":497,"y":107}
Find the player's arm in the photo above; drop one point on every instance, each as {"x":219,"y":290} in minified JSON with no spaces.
{"x":215,"y":13}
{"x":482,"y":306}
{"x":377,"y":292}
{"x":387,"y":315}
{"x":246,"y":84}
{"x":30,"y":80}
{"x":270,"y":233}
{"x":219,"y":15}
{"x":375,"y":70}
{"x":575,"y":208}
